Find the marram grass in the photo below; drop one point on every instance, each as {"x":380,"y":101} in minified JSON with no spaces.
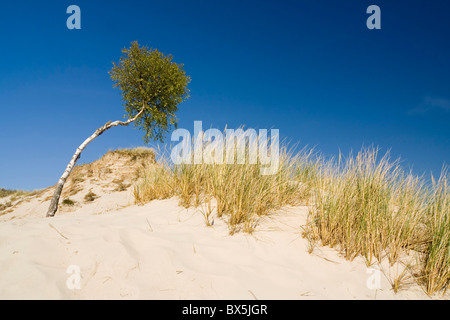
{"x":436,"y":265}
{"x":364,"y":205}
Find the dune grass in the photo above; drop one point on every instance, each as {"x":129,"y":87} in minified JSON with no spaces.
{"x":156,"y":182}
{"x":6,"y":192}
{"x":136,"y":153}
{"x":90,"y":196}
{"x":242,"y":194}
{"x":16,"y":193}
{"x":68,"y":202}
{"x":436,"y":262}
{"x":364,"y":205}
{"x":368,"y":207}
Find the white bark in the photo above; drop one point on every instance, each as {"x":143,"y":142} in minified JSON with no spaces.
{"x":55,"y":200}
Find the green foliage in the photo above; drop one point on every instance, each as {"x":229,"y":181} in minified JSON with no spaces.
{"x":151,"y":80}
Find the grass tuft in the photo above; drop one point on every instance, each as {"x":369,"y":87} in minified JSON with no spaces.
{"x":68,"y":202}
{"x":90,"y":196}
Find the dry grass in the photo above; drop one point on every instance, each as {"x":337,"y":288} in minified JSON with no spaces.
{"x":207,"y":210}
{"x":242,"y":194}
{"x":6,"y":205}
{"x":157,"y":182}
{"x":6,"y":192}
{"x":90,"y":196}
{"x":136,"y":153}
{"x":371,"y":208}
{"x":77,"y":178}
{"x":120,"y":185}
{"x":17,"y":194}
{"x":436,"y":262}
{"x":364,"y":205}
{"x":15,"y":197}
{"x":68,"y":202}
{"x":72,"y":190}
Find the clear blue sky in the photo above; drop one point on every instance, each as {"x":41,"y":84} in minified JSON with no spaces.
{"x":311,"y":69}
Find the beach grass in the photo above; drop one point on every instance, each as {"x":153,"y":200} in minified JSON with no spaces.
{"x":362,"y":205}
{"x":368,"y":206}
{"x":16,"y":193}
{"x":436,"y":262}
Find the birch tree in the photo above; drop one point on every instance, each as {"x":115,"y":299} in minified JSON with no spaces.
{"x":152,"y":87}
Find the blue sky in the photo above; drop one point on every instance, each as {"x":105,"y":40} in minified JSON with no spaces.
{"x":311,"y":69}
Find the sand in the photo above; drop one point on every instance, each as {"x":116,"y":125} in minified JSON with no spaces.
{"x":111,"y":248}
{"x":163,"y":251}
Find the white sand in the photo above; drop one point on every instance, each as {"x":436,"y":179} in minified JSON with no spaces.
{"x":163,"y":251}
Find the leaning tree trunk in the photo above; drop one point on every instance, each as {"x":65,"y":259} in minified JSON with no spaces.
{"x":56,"y":195}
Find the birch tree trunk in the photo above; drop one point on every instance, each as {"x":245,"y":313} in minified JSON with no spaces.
{"x":56,"y":195}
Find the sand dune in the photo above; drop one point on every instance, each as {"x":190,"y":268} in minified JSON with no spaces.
{"x":119,"y":250}
{"x":163,"y":251}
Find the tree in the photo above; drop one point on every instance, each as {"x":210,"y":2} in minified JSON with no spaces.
{"x":152,"y":87}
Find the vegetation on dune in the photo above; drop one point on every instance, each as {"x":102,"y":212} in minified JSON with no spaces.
{"x":364,"y":205}
{"x":6,"y":192}
{"x":14,"y":198}
{"x":68,"y":202}
{"x":136,"y":153}
{"x":90,"y":196}
{"x":15,"y":193}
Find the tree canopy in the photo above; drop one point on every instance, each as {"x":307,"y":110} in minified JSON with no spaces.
{"x":153,"y":84}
